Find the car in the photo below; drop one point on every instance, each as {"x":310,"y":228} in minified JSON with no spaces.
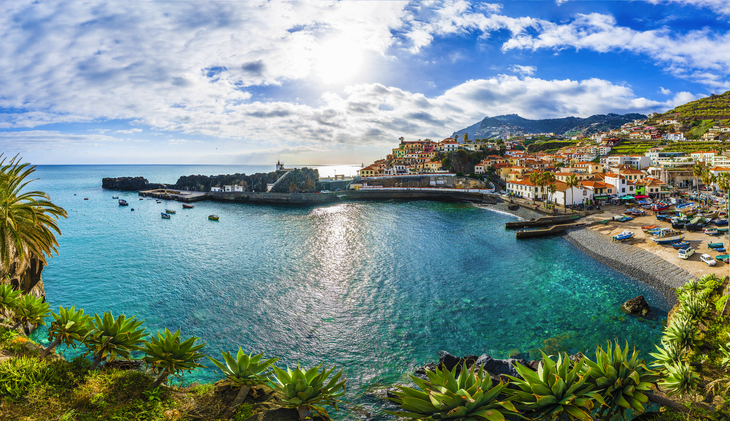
{"x":708,"y":259}
{"x":685,"y":253}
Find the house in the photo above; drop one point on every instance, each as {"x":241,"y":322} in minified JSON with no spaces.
{"x":216,"y":189}
{"x":599,"y":189}
{"x":675,"y":137}
{"x":620,"y":184}
{"x":524,"y":188}
{"x":232,"y":188}
{"x":571,"y":196}
{"x":590,"y":167}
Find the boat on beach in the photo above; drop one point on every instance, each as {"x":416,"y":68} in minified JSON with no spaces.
{"x":625,"y":235}
{"x":658,"y":207}
{"x":715,"y":245}
{"x":710,"y":231}
{"x":213,"y":217}
{"x":648,"y":227}
{"x":622,"y":218}
{"x":667,"y":236}
{"x":680,"y":244}
{"x":725,"y":258}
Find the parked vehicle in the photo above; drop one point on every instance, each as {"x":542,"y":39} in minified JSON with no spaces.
{"x":685,"y":253}
{"x":708,"y":259}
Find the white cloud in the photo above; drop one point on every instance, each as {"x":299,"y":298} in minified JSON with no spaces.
{"x":664,"y":91}
{"x":719,"y":6}
{"x":130,"y":131}
{"x":523,"y":70}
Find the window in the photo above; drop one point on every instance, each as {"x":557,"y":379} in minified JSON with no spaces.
{"x":623,"y":190}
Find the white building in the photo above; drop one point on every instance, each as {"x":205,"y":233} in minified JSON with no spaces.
{"x":571,"y":196}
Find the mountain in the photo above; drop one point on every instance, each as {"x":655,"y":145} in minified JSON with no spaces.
{"x":503,"y":126}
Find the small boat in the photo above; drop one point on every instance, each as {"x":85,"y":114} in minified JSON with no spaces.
{"x":141,"y":198}
{"x":159,"y":201}
{"x":648,"y":227}
{"x":667,"y":236}
{"x":658,"y":207}
{"x":169,"y":211}
{"x":638,"y":212}
{"x":725,"y":258}
{"x":115,"y":197}
{"x":164,"y":215}
{"x":722,"y":214}
{"x":213,"y":217}
{"x":86,"y":198}
{"x":720,"y":250}
{"x":680,"y":244}
{"x":693,"y":227}
{"x":187,"y":206}
{"x":624,"y":218}
{"x":710,"y":231}
{"x":625,"y":235}
{"x":715,"y":245}
{"x":123,"y":202}
{"x":677,"y":225}
{"x":722,"y":229}
{"x":662,"y":217}
{"x":720,"y":222}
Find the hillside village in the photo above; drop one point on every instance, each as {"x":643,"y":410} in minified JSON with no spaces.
{"x":649,"y":157}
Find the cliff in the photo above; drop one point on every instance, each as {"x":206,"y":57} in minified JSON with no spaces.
{"x":303,"y":180}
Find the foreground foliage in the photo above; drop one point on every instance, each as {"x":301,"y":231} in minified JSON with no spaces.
{"x":307,"y":391}
{"x":469,"y":395}
{"x":168,"y":355}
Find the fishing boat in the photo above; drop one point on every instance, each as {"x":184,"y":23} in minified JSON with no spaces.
{"x":115,"y":197}
{"x":123,"y":202}
{"x":680,"y":244}
{"x":720,"y":222}
{"x":159,"y":201}
{"x":658,"y":207}
{"x":185,"y":206}
{"x":648,"y":227}
{"x":710,"y":231}
{"x":213,"y":217}
{"x":164,"y":215}
{"x":723,"y":258}
{"x":622,"y":218}
{"x":667,"y":236}
{"x":662,"y":217}
{"x":625,"y":235}
{"x":721,"y":230}
{"x":715,"y":245}
{"x":638,"y":212}
{"x":86,"y":198}
{"x":169,"y":211}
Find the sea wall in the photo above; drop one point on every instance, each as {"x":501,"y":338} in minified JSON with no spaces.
{"x":426,"y":194}
{"x":632,"y":261}
{"x":275,"y":198}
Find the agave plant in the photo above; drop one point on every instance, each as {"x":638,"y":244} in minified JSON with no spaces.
{"x":680,"y":379}
{"x":68,"y":326}
{"x":725,"y":350}
{"x":668,"y":353}
{"x":245,"y":371}
{"x":556,"y":391}
{"x":30,"y":310}
{"x":695,"y":308}
{"x":111,"y":337}
{"x":470,"y":396}
{"x":620,"y":380}
{"x":8,"y":298}
{"x":168,"y":355}
{"x":683,"y":332}
{"x":307,"y":390}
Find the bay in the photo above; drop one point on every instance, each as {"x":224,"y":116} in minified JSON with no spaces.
{"x":374,"y":288}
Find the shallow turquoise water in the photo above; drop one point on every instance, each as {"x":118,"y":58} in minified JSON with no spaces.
{"x":375,"y":288}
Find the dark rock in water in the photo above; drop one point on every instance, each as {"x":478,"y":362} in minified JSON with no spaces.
{"x":637,"y":306}
{"x":500,"y":367}
{"x":279,"y":414}
{"x":124,"y":364}
{"x":449,"y":361}
{"x":533,"y":365}
{"x":576,"y":357}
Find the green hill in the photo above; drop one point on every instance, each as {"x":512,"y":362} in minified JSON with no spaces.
{"x":713,"y":107}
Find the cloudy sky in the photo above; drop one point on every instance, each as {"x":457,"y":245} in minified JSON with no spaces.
{"x":321,"y":82}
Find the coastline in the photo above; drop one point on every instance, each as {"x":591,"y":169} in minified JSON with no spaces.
{"x":630,"y":260}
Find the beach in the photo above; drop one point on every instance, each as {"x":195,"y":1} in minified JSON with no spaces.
{"x":640,"y":258}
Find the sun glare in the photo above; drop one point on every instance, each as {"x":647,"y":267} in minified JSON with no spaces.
{"x":338,"y":61}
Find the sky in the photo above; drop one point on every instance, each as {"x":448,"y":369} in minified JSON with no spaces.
{"x":332,"y":82}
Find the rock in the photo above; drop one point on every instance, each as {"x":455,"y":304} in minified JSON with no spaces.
{"x":124,"y":364}
{"x":449,"y":361}
{"x":499,"y":367}
{"x":637,"y":306}
{"x":533,"y":365}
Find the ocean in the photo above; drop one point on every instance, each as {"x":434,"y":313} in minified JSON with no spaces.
{"x":376,"y":289}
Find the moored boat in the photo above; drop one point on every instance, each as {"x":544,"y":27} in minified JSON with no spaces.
{"x":213,"y":217}
{"x":164,"y":215}
{"x":186,"y":206}
{"x":667,"y":236}
{"x":123,"y":202}
{"x":115,"y":197}
{"x":169,"y":211}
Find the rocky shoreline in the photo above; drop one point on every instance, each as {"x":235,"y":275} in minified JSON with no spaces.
{"x":632,"y":261}
{"x":629,"y":260}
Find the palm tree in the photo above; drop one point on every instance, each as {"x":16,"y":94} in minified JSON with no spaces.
{"x":28,"y":219}
{"x":546,"y":179}
{"x":535,"y":181}
{"x":570,"y":182}
{"x":698,"y":170}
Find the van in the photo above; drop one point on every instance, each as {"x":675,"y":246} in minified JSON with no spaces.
{"x":685,"y":253}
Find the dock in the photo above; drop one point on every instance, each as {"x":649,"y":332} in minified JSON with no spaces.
{"x":543,"y":221}
{"x":553,"y":230}
{"x":179,"y":195}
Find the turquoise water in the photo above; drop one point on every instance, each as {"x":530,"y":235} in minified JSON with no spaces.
{"x":375,"y":288}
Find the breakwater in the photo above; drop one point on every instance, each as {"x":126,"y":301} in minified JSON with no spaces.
{"x":434,"y":194}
